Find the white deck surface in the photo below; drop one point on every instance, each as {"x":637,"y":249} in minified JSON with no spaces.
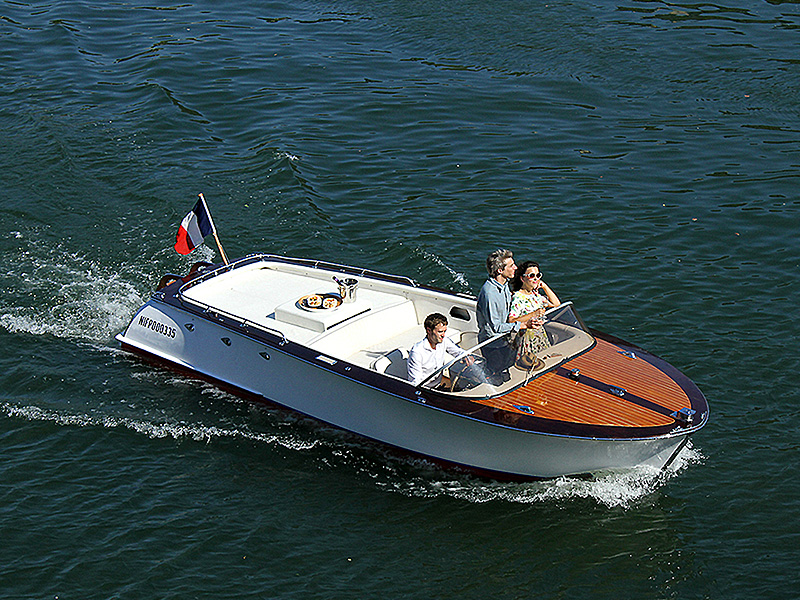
{"x":377,"y":321}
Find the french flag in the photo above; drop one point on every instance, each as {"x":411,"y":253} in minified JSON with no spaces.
{"x":194,"y":228}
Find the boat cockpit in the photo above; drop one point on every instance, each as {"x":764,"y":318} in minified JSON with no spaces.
{"x":375,"y":329}
{"x":469,"y":375}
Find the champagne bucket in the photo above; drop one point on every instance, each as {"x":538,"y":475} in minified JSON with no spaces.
{"x":347,"y":289}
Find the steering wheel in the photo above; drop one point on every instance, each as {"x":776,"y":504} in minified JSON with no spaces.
{"x":477,"y":361}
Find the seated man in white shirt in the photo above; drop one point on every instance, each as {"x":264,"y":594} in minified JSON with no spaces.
{"x":430,"y":353}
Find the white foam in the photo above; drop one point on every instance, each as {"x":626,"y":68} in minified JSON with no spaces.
{"x":621,"y":489}
{"x":410,"y":477}
{"x":458,"y":277}
{"x":65,"y":294}
{"x":154,"y":430}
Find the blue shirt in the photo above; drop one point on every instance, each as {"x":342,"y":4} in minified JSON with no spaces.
{"x":494,"y":304}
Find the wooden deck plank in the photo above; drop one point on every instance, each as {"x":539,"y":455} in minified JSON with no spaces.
{"x":638,"y":377}
{"x":554,"y":396}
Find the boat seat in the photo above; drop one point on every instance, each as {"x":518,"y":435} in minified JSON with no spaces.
{"x":468,"y":339}
{"x":393,"y":363}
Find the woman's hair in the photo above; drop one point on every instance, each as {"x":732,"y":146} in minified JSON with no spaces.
{"x":516,"y":283}
{"x":494,"y":262}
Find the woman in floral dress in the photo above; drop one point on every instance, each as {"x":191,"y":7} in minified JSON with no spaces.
{"x":532,"y":296}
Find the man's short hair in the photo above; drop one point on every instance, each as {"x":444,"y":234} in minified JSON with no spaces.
{"x":434,"y":319}
{"x":496,"y":261}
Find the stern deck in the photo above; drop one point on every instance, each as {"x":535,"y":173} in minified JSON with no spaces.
{"x":385,"y":316}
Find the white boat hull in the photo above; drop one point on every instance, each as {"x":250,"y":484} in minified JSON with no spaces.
{"x":231,"y":356}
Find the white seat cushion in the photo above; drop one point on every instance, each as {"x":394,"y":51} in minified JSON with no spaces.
{"x":393,"y":363}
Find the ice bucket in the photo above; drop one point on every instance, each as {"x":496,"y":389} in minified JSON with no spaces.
{"x":347,"y":289}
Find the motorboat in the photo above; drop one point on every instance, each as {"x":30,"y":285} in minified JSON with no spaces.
{"x":331,"y":341}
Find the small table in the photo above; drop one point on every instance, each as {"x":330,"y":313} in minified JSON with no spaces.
{"x":320,"y":319}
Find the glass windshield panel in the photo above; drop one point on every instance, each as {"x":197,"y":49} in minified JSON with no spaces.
{"x":472,"y":367}
{"x":567,"y":315}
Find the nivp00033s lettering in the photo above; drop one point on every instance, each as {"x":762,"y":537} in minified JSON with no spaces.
{"x":154,"y":325}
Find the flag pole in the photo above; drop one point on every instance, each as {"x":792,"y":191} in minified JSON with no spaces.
{"x":214,"y":229}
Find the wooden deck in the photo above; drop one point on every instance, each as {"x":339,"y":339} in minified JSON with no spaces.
{"x":649,"y":397}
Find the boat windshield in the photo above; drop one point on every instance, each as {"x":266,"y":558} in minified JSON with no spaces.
{"x":470,"y":376}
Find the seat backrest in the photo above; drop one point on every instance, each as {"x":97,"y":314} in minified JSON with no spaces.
{"x":393,"y":363}
{"x":468,"y":339}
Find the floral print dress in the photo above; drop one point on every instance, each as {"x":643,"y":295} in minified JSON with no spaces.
{"x":529,"y":341}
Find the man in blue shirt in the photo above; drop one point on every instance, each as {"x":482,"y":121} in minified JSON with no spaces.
{"x":494,"y":304}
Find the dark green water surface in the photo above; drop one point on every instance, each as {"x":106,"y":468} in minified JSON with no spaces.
{"x":647,"y":154}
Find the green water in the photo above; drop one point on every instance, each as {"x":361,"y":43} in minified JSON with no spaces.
{"x":646,"y":154}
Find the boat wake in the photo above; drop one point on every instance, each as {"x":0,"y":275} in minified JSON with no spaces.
{"x":154,"y":430}
{"x":458,"y":278}
{"x":65,"y":294}
{"x":336,"y":450}
{"x":613,"y":489}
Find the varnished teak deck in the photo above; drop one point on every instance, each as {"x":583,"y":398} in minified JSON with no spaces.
{"x":556,"y":396}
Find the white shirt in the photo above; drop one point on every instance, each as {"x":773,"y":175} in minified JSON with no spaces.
{"x":424,"y":360}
